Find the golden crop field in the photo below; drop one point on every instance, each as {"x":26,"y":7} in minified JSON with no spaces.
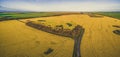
{"x":17,"y":39}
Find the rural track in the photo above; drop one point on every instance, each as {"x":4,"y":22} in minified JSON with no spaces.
{"x":77,"y":44}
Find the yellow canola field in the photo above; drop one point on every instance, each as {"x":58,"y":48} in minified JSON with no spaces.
{"x":17,"y":39}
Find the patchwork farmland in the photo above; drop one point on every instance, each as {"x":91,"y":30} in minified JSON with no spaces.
{"x":19,"y":40}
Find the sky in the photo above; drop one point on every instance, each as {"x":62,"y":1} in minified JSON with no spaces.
{"x":60,"y":5}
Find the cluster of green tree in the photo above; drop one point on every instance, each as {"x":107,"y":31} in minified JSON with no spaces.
{"x":116,"y":31}
{"x":58,"y":30}
{"x":94,"y":15}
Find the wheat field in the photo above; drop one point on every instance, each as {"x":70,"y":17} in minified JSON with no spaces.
{"x":19,"y":40}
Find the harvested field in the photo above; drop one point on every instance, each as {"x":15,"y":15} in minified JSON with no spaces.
{"x":17,"y":39}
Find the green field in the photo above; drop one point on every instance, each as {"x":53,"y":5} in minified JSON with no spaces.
{"x":24,"y":15}
{"x":110,"y":14}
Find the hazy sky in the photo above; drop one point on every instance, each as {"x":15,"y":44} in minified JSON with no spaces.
{"x":62,"y":5}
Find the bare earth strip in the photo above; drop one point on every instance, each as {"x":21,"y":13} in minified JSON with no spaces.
{"x":17,"y":39}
